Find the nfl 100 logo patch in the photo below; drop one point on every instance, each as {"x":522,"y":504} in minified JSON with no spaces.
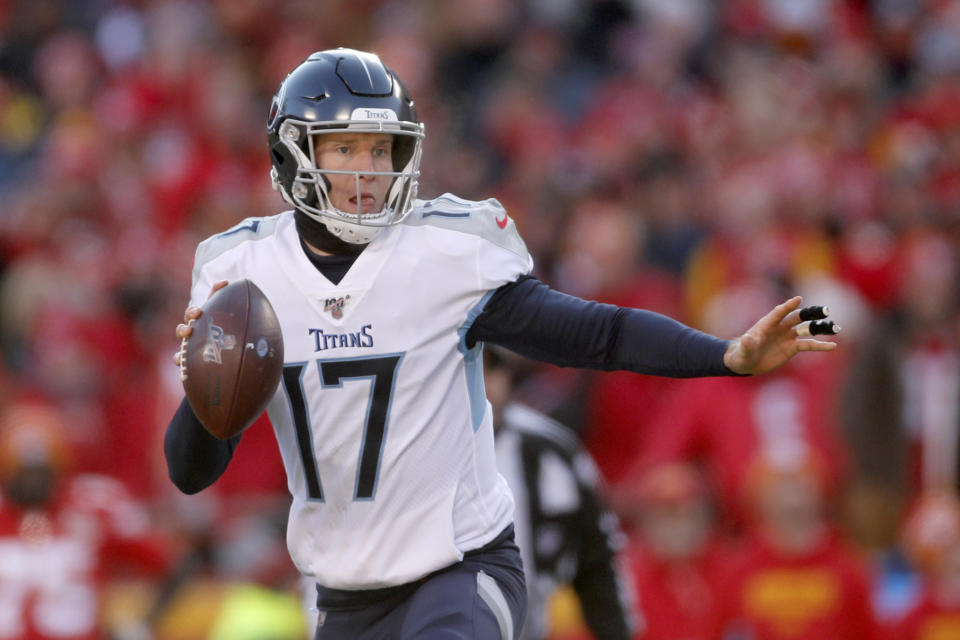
{"x":336,"y":305}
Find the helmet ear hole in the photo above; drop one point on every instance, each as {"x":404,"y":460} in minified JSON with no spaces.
{"x":403,"y":147}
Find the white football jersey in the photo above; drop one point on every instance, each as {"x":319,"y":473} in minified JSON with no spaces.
{"x":381,"y":415}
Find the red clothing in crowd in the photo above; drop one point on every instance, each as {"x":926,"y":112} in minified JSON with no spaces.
{"x":927,"y":620}
{"x":726,"y":422}
{"x":680,"y":601}
{"x":620,"y":403}
{"x":54,"y":561}
{"x":821,"y":595}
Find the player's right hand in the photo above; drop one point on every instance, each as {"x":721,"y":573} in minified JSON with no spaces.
{"x":190,"y":314}
{"x":772,"y":341}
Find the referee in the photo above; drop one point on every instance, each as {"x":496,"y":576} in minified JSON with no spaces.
{"x":565,"y":534}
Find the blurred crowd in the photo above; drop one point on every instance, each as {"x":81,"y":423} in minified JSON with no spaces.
{"x":702,"y":159}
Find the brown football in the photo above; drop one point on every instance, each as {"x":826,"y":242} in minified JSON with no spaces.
{"x":233,"y":359}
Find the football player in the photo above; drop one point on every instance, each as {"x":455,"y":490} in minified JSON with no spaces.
{"x":385,"y":301}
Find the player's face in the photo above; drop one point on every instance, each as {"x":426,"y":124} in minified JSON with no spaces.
{"x":675,"y":531}
{"x":31,"y":485}
{"x":362,"y":152}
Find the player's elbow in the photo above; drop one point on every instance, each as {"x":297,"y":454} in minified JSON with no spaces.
{"x":187,"y":474}
{"x":195,"y":459}
{"x":186,"y":483}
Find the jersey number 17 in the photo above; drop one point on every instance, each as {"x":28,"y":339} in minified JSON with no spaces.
{"x":380,"y":371}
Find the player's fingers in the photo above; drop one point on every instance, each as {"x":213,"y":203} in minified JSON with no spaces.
{"x":805,"y":314}
{"x":810,"y":344}
{"x":814,"y":312}
{"x":217,"y":286}
{"x":779,"y":313}
{"x":191,"y":313}
{"x":184,"y":331}
{"x":817,"y":328}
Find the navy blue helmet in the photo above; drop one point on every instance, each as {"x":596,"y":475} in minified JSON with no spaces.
{"x":335,"y":91}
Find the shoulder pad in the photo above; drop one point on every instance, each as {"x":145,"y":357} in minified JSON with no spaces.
{"x":485,"y":218}
{"x":245,"y":231}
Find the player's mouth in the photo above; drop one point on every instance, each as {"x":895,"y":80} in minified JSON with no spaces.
{"x":367,"y":203}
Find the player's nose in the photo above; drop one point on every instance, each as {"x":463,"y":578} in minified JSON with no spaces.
{"x":364,"y":162}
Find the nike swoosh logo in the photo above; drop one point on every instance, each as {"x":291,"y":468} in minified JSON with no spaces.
{"x":503,"y":223}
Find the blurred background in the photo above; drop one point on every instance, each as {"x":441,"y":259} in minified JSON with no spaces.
{"x":705,"y":159}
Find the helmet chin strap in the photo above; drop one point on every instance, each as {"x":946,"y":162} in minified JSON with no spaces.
{"x":352,"y":233}
{"x":317,"y":235}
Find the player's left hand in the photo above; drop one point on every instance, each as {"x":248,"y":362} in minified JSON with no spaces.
{"x":772,"y":341}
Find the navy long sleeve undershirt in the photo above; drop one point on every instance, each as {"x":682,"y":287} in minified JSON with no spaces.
{"x":532,"y":319}
{"x":195,"y":459}
{"x":527,"y":317}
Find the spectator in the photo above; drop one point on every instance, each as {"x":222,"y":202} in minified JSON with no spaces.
{"x":63,"y":536}
{"x":677,"y":562}
{"x":796,"y":579}
{"x":931,"y":538}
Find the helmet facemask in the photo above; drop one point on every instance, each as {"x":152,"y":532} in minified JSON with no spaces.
{"x":310,"y":188}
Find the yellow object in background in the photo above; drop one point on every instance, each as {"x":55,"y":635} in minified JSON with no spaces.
{"x":565,"y":620}
{"x":252,"y":612}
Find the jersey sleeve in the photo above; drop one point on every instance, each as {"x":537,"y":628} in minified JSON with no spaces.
{"x":207,"y":269}
{"x":501,"y":256}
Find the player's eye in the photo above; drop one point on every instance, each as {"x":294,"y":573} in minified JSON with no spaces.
{"x":343,"y":149}
{"x":380,"y":152}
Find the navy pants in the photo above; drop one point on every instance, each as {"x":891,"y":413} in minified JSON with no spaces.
{"x":481,"y":598}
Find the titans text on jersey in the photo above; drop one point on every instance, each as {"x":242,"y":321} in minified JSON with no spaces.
{"x":327,"y":340}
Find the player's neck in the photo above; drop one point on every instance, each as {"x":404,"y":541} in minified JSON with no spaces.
{"x":318,"y":239}
{"x":315,"y":250}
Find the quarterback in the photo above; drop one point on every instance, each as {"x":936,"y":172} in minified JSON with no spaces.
{"x":385,"y":301}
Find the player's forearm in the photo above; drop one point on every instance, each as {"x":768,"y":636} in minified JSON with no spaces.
{"x":536,"y":321}
{"x":195,"y":459}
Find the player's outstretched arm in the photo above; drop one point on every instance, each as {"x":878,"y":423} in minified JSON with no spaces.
{"x":772,"y":341}
{"x":530,"y":318}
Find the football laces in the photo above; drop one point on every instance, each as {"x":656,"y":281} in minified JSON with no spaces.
{"x":183,"y":359}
